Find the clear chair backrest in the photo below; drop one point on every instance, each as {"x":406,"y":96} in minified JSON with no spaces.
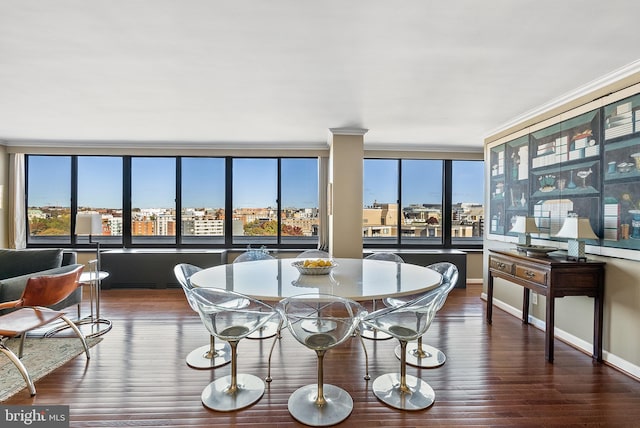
{"x":411,"y":319}
{"x":307,"y":315}
{"x":251,"y":255}
{"x":313,"y":254}
{"x":228,"y":315}
{"x":449,"y":273}
{"x":183,"y":273}
{"x":385,"y":256}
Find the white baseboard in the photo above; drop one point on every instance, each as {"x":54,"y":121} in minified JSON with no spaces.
{"x":586,"y":347}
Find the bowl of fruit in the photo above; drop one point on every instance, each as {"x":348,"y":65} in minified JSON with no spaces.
{"x":314,"y":266}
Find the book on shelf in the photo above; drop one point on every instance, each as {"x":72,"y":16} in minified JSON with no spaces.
{"x":618,"y":131}
{"x":591,"y":151}
{"x":611,"y":219}
{"x":623,"y":108}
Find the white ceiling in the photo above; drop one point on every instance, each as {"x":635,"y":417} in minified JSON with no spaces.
{"x":419,"y":74}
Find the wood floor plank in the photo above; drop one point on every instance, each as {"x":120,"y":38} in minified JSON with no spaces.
{"x":495,"y":375}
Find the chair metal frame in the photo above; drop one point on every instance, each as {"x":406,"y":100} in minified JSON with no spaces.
{"x":30,"y":313}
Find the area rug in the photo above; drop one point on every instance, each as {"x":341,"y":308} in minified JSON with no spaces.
{"x":41,"y":356}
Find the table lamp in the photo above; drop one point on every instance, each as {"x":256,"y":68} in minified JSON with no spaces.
{"x":524,"y":227}
{"x":576,"y":229}
{"x":90,"y":224}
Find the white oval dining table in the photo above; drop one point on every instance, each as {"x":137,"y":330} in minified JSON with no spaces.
{"x":356,"y":279}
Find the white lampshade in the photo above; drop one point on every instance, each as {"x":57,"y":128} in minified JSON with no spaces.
{"x":88,"y":224}
{"x":576,"y":230}
{"x":575,"y":227}
{"x":525,"y":225}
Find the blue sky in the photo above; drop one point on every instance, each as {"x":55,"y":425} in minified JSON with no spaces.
{"x":255,"y":181}
{"x":421,"y":181}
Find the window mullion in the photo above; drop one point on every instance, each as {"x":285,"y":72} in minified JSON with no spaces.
{"x":446,"y":204}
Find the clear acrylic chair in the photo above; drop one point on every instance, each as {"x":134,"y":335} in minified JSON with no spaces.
{"x":231,"y":317}
{"x":208,"y":356}
{"x":252,"y":255}
{"x":405,"y":323}
{"x":270,"y":329}
{"x":420,"y":354}
{"x":313,"y":254}
{"x":321,"y":404}
{"x":368,"y":333}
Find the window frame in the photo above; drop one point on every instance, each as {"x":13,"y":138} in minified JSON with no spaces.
{"x":447,"y":238}
{"x":448,"y":241}
{"x":127,"y":237}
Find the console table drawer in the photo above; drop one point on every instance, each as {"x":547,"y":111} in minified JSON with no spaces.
{"x":533,"y":275}
{"x":501,"y":264}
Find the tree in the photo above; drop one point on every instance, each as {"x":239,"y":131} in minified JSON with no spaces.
{"x":261,"y":228}
{"x":288,"y":230}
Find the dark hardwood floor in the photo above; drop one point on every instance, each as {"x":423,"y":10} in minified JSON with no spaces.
{"x":494,"y":375}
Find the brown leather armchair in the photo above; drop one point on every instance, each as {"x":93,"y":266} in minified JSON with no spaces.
{"x":30,"y":313}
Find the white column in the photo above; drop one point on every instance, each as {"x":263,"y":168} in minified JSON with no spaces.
{"x":345,"y":191}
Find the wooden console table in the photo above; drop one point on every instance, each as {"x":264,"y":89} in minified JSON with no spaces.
{"x":552,"y":277}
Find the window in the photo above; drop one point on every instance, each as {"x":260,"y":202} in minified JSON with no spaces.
{"x":422,"y":188}
{"x":100,"y":191}
{"x":153,"y":195}
{"x":225,"y":201}
{"x":380,"y":198}
{"x":275,"y":201}
{"x":48,"y":183}
{"x":255,"y":201}
{"x":467,"y":194}
{"x":202,"y":200}
{"x":421,"y":202}
{"x":299,"y":207}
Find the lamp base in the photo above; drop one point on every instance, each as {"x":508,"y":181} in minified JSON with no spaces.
{"x":524,"y":239}
{"x":575,"y":250}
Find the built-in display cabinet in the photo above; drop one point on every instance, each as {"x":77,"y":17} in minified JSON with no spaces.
{"x":588,"y":164}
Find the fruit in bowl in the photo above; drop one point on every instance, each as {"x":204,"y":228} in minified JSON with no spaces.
{"x":316,"y":263}
{"x":314,"y":266}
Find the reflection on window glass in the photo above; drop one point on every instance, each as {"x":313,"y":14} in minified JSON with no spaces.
{"x":49,"y":199}
{"x":153,"y":195}
{"x":255,"y":184}
{"x":100,"y":191}
{"x":421,"y":201}
{"x":380,"y":198}
{"x":467,"y":211}
{"x":299,"y":194}
{"x":203,"y":196}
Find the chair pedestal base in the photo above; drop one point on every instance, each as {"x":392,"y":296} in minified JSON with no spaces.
{"x":198,"y":358}
{"x":318,"y":326}
{"x":215,"y":395}
{"x":371,"y":334}
{"x":270,"y":329}
{"x":387,"y":389}
{"x":302,"y":405}
{"x":434,"y":357}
